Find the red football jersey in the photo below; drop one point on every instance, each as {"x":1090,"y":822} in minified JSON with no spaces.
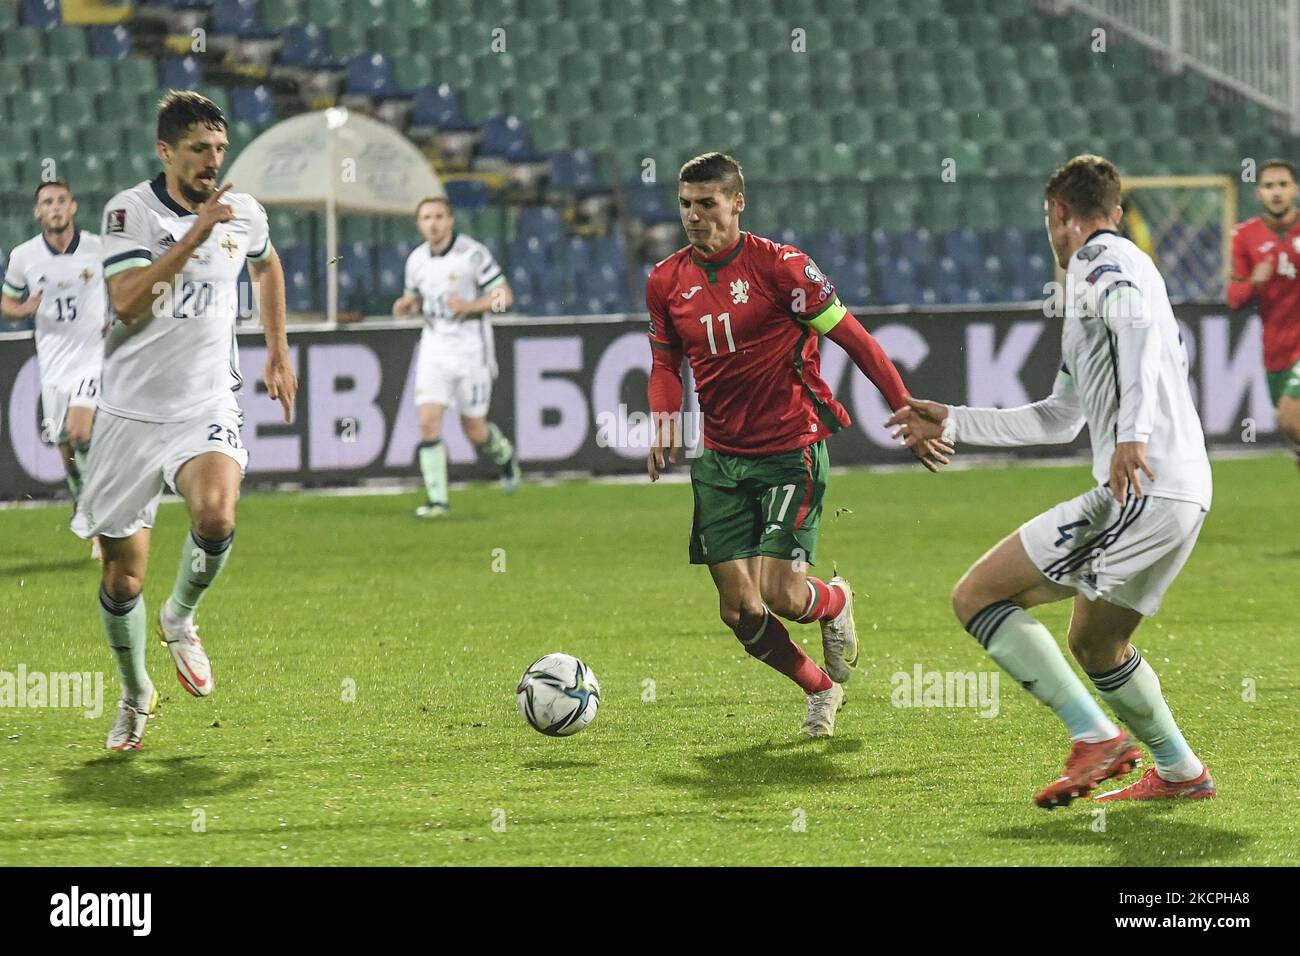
{"x":1278,"y":299}
{"x":747,"y":320}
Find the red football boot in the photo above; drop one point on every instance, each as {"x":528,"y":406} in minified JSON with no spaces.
{"x":1087,"y":766}
{"x":1152,"y":786}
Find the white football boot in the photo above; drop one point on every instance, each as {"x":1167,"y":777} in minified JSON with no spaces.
{"x":431,"y":510}
{"x":181,"y":638}
{"x":840,"y":637}
{"x":132,"y":718}
{"x":822,"y":707}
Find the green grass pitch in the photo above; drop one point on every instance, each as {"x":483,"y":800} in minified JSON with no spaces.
{"x":431,"y":763}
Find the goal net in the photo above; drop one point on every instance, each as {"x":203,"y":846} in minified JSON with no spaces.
{"x":1185,"y":224}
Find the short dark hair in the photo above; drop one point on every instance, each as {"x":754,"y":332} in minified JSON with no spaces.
{"x":52,"y":182}
{"x":181,"y":109}
{"x":714,"y":167}
{"x":1089,"y":185}
{"x":428,"y":199}
{"x":1279,"y":164}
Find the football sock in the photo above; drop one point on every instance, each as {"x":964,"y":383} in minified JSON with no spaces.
{"x":497,"y":446}
{"x":824,"y":602}
{"x":1025,"y":649}
{"x":433,"y":466}
{"x":1133,"y":691}
{"x":201,"y":562}
{"x":124,"y":623}
{"x":772,"y":645}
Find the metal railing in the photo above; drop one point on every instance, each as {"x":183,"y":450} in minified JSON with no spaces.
{"x":1249,"y":46}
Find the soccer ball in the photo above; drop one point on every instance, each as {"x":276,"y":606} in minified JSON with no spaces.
{"x":558,"y":695}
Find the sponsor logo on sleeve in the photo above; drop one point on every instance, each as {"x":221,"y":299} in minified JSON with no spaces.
{"x":1101,"y":270}
{"x":1088,"y":253}
{"x":813,"y":273}
{"x":116,"y":221}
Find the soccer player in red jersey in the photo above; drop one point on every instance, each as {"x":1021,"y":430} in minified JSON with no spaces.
{"x":1265,"y":258}
{"x":747,"y":313}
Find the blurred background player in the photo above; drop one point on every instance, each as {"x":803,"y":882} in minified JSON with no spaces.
{"x":69,"y":324}
{"x":1265,"y":258}
{"x":746,"y":312}
{"x":455,"y":282}
{"x":168,"y":415}
{"x":1115,"y":549}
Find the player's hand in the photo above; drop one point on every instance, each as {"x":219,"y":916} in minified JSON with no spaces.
{"x":1262,"y":272}
{"x":1129,"y":459}
{"x":210,"y":213}
{"x":668,"y":435}
{"x":918,"y":422}
{"x":406,"y":305}
{"x":281,"y":383}
{"x":456,"y":305}
{"x":933,"y":453}
{"x":28,"y":308}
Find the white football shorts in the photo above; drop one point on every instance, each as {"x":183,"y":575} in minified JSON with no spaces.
{"x":1127,"y":555}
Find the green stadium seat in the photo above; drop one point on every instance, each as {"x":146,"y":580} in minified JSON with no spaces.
{"x":326,"y":13}
{"x":968,"y":156}
{"x":877,"y":160}
{"x":68,"y":43}
{"x":595,"y":132}
{"x":897,"y":126}
{"x":810,"y":128}
{"x":432,"y":39}
{"x":1005,"y":156}
{"x":1008,"y":92}
{"x":282,"y":13}
{"x":559,"y":37}
{"x":668,"y":65}
{"x":920,"y":159}
{"x":1026,"y":125}
{"x":413,"y":71}
{"x":136,"y":75}
{"x":837,"y":161}
{"x":920,"y":91}
{"x":575,"y":100}
{"x":1114,"y":122}
{"x":8,"y":16}
{"x":22,"y":45}
{"x":964,"y":92}
{"x":724,"y":131}
{"x":1044,"y":155}
{"x":581,"y":66}
{"x":941,"y":126}
{"x":944,"y":206}
{"x":614,"y":99}
{"x":481,"y":101}
{"x":11,"y":78}
{"x":1041,"y":62}
{"x":981,"y":32}
{"x":985,"y":125}
{"x":853,"y":127}
{"x":90,"y":76}
{"x":348,"y":40}
{"x":35,"y":105}
{"x":550,"y":132}
{"x":48,"y":75}
{"x":601,"y":36}
{"x":526,"y":101}
{"x":391,"y":38}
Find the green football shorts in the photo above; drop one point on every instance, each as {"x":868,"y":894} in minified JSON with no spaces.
{"x":768,"y":506}
{"x":1285,"y":382}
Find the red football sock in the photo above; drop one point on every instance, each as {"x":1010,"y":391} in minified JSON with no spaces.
{"x":772,"y":646}
{"x":824,"y":602}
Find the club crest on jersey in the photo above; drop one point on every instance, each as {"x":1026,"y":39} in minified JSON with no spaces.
{"x":739,"y":292}
{"x":229,"y":244}
{"x":116,"y":221}
{"x":813,"y":273}
{"x":87,"y":275}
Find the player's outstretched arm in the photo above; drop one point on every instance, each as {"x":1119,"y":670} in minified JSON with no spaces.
{"x":136,"y":293}
{"x":16,"y":311}
{"x":1057,"y":419}
{"x":1245,"y":278}
{"x":281,"y":380}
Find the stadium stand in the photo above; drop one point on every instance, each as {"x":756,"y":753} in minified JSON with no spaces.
{"x":542,"y":118}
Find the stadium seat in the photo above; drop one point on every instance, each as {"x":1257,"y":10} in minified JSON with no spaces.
{"x":41,"y":14}
{"x":304,"y":45}
{"x":182,"y":72}
{"x":507,"y":137}
{"x":467,"y":194}
{"x":438,"y":106}
{"x":371,"y":74}
{"x":252,"y":104}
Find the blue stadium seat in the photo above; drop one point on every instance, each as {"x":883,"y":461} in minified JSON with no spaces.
{"x":646,"y":201}
{"x":521,"y":283}
{"x":371,"y":74}
{"x":542,"y":222}
{"x":898,"y":285}
{"x":439,"y":106}
{"x":573,"y":169}
{"x":252,"y":104}
{"x":239,"y":17}
{"x":882,"y":246}
{"x":182,"y":73}
{"x":390,"y":271}
{"x":42,"y":14}
{"x":853,"y":283}
{"x":304,"y":45}
{"x":297,"y":275}
{"x":507,"y":137}
{"x":963,"y":247}
{"x":916,"y":245}
{"x":110,"y":43}
{"x":467,"y":193}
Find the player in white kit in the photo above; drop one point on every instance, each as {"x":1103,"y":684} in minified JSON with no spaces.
{"x":1117,"y":548}
{"x":173,"y":250}
{"x":455,"y":282}
{"x":61,"y":274}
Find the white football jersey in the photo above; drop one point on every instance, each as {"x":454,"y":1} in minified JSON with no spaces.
{"x":70,"y":318}
{"x":466,"y":269}
{"x":168,"y":366}
{"x":1124,"y":373}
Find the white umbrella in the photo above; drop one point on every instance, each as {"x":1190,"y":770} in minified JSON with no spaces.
{"x":338,"y":161}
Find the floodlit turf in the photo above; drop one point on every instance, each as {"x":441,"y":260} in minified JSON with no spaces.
{"x":693,"y":758}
